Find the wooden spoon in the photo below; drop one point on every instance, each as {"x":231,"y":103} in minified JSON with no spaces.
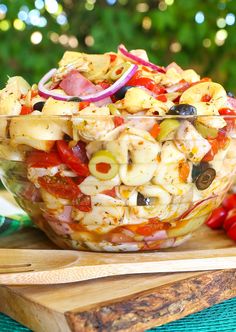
{"x":27,"y":266}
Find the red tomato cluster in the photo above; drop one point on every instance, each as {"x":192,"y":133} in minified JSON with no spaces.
{"x":225,"y":217}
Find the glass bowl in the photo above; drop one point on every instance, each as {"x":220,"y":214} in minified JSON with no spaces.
{"x":113,"y":183}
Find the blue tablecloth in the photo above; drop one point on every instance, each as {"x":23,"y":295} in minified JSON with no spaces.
{"x":221,"y":317}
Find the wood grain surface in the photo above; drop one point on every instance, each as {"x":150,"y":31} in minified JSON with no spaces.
{"x":125,"y":303}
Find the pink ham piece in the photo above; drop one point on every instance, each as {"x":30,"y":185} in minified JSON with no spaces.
{"x":159,"y":235}
{"x":175,"y":66}
{"x":232,"y":103}
{"x":75,"y":84}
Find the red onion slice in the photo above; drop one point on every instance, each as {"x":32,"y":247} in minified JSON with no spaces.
{"x":45,"y":93}
{"x":140,"y":61}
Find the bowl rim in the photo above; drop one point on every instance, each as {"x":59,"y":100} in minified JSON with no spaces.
{"x":130,"y":116}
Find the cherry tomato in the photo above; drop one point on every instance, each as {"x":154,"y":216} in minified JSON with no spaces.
{"x":232,"y":232}
{"x":118,"y":121}
{"x":59,"y":186}
{"x":217,"y":218}
{"x":71,"y":160}
{"x":230,"y":219}
{"x":25,"y":110}
{"x":229,"y":202}
{"x":43,"y":159}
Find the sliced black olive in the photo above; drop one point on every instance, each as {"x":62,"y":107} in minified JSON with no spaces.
{"x":198,"y":169}
{"x":142,"y":201}
{"x":182,"y":109}
{"x":75,"y":99}
{"x":66,"y":138}
{"x":38,"y":106}
{"x":230,"y":94}
{"x":203,"y":175}
{"x":120,"y":94}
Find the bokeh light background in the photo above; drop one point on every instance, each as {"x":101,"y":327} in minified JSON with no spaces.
{"x":198,"y":34}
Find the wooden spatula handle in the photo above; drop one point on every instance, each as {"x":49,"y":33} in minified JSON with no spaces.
{"x":81,"y":273}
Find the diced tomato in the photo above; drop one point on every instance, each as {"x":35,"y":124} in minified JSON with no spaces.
{"x":149,"y":70}
{"x":104,"y":85}
{"x":230,"y":219}
{"x":112,"y":57}
{"x":71,"y":160}
{"x":204,"y":79}
{"x":155,"y":130}
{"x":158,"y":89}
{"x":25,"y":110}
{"x":43,"y":159}
{"x":217,"y":218}
{"x":184,"y":170}
{"x":103,"y":167}
{"x":184,"y":85}
{"x":84,"y":203}
{"x":83,"y":104}
{"x":110,"y":192}
{"x":148,"y":83}
{"x":118,"y":121}
{"x":212,"y":152}
{"x":136,"y":76}
{"x":227,"y":111}
{"x":232,"y":232}
{"x":216,"y":143}
{"x":222,"y":139}
{"x":59,"y":186}
{"x":151,"y":228}
{"x":229,"y":202}
{"x":34,"y":93}
{"x":162,"y":98}
{"x":78,"y":179}
{"x":206,"y":98}
{"x":230,"y":121}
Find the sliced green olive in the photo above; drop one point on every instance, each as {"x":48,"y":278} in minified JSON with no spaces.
{"x":206,"y":131}
{"x":113,"y":110}
{"x":103,"y":165}
{"x":119,"y":70}
{"x":166,"y":128}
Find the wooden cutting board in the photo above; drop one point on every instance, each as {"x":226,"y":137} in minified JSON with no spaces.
{"x":114,"y":304}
